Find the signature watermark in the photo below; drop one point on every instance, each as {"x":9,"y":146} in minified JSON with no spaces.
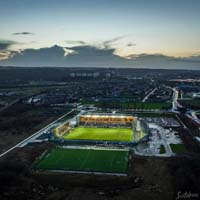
{"x":187,"y":195}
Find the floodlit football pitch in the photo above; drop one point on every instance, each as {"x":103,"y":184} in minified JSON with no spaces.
{"x":87,"y":160}
{"x":101,"y":134}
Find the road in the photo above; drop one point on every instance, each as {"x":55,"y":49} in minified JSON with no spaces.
{"x":192,"y":115}
{"x":9,"y":105}
{"x":165,"y":143}
{"x":175,"y":103}
{"x":149,"y":94}
{"x":175,"y":99}
{"x":35,"y":135}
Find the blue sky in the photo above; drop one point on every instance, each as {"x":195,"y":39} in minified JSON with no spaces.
{"x":170,"y":27}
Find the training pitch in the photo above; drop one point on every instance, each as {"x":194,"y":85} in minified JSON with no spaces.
{"x":88,"y":160}
{"x":101,"y":134}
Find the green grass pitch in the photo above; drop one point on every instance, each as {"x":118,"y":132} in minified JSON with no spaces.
{"x":102,"y":134}
{"x":90,"y":160}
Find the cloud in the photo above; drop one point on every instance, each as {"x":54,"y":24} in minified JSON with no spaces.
{"x":68,"y":51}
{"x":93,"y":56}
{"x":78,"y":56}
{"x":23,"y":33}
{"x":90,"y":50}
{"x":53,"y":56}
{"x":191,"y":59}
{"x":76,"y":42}
{"x":5,"y":44}
{"x":4,"y":55}
{"x":131,"y":44}
{"x":108,"y":43}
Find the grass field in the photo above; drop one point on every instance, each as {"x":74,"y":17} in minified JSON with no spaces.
{"x":162,"y":149}
{"x":192,"y":103}
{"x":102,"y":134}
{"x":128,"y":104}
{"x":178,"y":148}
{"x":92,"y":160}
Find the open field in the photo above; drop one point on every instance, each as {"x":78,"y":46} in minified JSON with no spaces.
{"x":20,"y":121}
{"x":103,"y":134}
{"x":95,"y":160}
{"x":192,"y":103}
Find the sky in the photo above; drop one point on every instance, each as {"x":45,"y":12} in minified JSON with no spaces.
{"x":131,"y":27}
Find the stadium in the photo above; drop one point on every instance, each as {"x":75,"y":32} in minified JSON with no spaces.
{"x":109,"y":128}
{"x":93,"y":143}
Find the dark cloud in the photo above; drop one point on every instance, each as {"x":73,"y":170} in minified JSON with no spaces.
{"x":92,"y":56}
{"x":131,"y":44}
{"x":85,"y":56}
{"x":89,"y":50}
{"x":77,"y":42}
{"x":53,"y":56}
{"x":108,"y":43}
{"x":5,"y":44}
{"x":192,"y":59}
{"x":23,"y":33}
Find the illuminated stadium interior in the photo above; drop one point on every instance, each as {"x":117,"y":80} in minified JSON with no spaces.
{"x":102,"y":127}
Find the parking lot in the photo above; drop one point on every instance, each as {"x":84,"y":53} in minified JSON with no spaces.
{"x":163,"y":121}
{"x":160,"y":138}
